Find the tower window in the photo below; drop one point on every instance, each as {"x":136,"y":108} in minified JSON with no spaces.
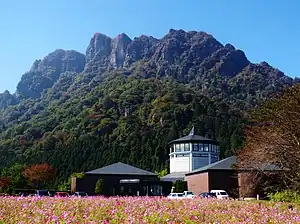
{"x":187,"y":147}
{"x":206,"y":149}
{"x":200,"y":155}
{"x":200,"y":147}
{"x":196,"y":147}
{"x":213,"y":148}
{"x":182,"y":155}
{"x":177,"y":147}
{"x":182,"y":147}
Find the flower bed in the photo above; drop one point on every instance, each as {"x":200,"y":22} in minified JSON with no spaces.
{"x":142,"y":210}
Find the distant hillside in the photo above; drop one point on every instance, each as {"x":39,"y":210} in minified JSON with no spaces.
{"x":125,"y":99}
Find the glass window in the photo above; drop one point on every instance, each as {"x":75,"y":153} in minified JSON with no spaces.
{"x":196,"y":147}
{"x":182,"y":147}
{"x":182,"y":155}
{"x":186,"y":147}
{"x":200,"y":155}
{"x":206,"y":147}
{"x":200,"y":147}
{"x":177,"y":147}
{"x":218,"y":149}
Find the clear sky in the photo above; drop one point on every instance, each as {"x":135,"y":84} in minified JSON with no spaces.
{"x":266,"y":30}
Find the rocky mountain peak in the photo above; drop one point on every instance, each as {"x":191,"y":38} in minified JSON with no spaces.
{"x":7,"y":99}
{"x":123,"y":37}
{"x":185,"y":53}
{"x":119,"y":50}
{"x":229,"y":47}
{"x":44,"y":73}
{"x":98,"y":52}
{"x":265,"y":64}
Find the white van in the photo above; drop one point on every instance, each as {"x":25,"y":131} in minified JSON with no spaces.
{"x":176,"y":196}
{"x":220,"y":194}
{"x":188,"y":194}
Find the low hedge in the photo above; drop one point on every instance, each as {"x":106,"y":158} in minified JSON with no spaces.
{"x":285,"y":196}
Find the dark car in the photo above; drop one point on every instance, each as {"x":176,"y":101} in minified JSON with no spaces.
{"x":207,"y":195}
{"x":61,"y":194}
{"x":42,"y":193}
{"x":80,"y":194}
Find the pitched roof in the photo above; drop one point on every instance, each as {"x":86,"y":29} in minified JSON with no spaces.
{"x":225,"y":164}
{"x":228,"y":164}
{"x":173,"y":176}
{"x":121,"y":169}
{"x":191,"y":138}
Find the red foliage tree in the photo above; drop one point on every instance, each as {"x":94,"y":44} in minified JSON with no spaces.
{"x":40,"y":173}
{"x":274,"y":139}
{"x":4,"y":182}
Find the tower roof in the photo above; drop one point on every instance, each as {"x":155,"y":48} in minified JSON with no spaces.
{"x":191,"y":137}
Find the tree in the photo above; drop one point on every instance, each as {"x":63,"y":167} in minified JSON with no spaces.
{"x":273,"y":139}
{"x":78,"y":175}
{"x":39,"y":174}
{"x":16,"y":179}
{"x":4,"y":183}
{"x":99,"y":187}
{"x":180,"y":186}
{"x":161,"y":173}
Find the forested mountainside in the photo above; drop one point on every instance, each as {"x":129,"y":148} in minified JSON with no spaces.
{"x":125,"y":99}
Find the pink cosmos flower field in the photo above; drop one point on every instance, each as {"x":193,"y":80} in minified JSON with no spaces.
{"x":142,"y":210}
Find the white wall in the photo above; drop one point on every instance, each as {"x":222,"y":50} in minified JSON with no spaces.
{"x":180,"y":164}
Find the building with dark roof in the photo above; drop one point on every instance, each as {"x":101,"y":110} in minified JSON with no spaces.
{"x":224,"y":175}
{"x":189,"y":153}
{"x":220,"y":175}
{"x":123,"y":180}
{"x":120,"y":169}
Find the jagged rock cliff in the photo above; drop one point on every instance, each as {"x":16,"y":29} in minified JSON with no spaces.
{"x":44,"y":73}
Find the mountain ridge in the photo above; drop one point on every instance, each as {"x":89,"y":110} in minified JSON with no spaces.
{"x":121,"y":51}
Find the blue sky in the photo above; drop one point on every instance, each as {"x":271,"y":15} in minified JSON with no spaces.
{"x":266,"y":30}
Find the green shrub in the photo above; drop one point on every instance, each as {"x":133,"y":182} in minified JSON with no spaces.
{"x":79,"y":175}
{"x":285,"y":196}
{"x":99,"y":187}
{"x":180,"y":186}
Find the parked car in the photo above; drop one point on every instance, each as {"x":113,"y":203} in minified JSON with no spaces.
{"x":220,"y":194}
{"x":207,"y":195}
{"x":42,"y":193}
{"x":80,"y":194}
{"x":176,"y":196}
{"x":3,"y":195}
{"x":61,"y":194}
{"x":188,"y":194}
